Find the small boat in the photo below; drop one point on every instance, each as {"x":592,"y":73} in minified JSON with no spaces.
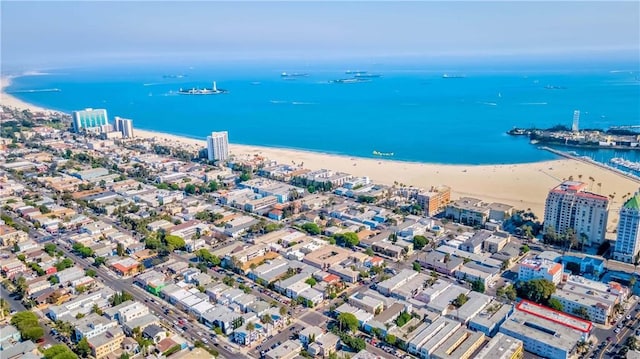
{"x":383,"y":154}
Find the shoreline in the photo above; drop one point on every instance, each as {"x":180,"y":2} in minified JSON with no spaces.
{"x":524,"y":186}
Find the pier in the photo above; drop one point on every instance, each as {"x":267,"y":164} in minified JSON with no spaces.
{"x":592,"y":162}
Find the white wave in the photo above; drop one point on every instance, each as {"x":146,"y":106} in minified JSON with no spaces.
{"x":278,"y":101}
{"x":534,"y":103}
{"x":488,"y":103}
{"x":152,"y":84}
{"x":302,"y":103}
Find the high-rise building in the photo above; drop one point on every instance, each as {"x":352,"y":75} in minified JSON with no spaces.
{"x":125,"y":126}
{"x":89,"y":119}
{"x":628,"y":239}
{"x":218,"y":146}
{"x":575,"y":126}
{"x":569,"y":205}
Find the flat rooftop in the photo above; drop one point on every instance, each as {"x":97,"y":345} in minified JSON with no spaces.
{"x":554,"y":316}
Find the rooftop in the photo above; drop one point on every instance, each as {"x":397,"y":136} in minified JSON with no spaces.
{"x":554,"y":316}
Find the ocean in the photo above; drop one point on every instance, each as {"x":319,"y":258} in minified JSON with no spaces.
{"x":412,"y":111}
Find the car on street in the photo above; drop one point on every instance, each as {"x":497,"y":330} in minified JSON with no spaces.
{"x":617,"y":330}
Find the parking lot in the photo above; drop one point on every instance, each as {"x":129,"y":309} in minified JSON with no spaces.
{"x":275,"y":340}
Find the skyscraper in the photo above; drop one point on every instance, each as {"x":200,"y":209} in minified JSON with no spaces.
{"x":569,"y":205}
{"x":575,"y":126}
{"x":89,"y":119}
{"x":628,"y":240}
{"x":125,"y":126}
{"x":218,"y":146}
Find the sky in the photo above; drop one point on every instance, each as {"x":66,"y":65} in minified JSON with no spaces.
{"x":69,"y":32}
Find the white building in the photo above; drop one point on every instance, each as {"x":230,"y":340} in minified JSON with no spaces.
{"x":628,"y":240}
{"x":569,"y":205}
{"x":546,"y":332}
{"x":218,"y":146}
{"x":124,"y":125}
{"x":89,"y":119}
{"x":540,"y":268}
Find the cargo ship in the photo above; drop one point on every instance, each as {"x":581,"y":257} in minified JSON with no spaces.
{"x":204,"y":91}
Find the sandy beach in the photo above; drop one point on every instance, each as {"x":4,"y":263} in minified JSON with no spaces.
{"x":8,"y":100}
{"x":521,"y":185}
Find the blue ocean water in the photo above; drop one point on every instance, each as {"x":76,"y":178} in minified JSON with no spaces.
{"x":411,"y":111}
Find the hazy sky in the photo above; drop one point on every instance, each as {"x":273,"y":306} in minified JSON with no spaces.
{"x":76,"y":32}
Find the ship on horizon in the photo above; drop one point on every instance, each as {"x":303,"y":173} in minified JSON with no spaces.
{"x":294,"y":74}
{"x":448,"y":76}
{"x":204,"y":91}
{"x":353,"y":80}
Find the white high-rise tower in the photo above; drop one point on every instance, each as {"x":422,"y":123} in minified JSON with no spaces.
{"x":218,"y":146}
{"x":575,"y":127}
{"x":628,"y":239}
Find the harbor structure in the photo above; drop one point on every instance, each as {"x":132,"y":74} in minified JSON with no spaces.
{"x":570,"y":206}
{"x":218,"y":146}
{"x":124,"y":126}
{"x":627,"y":245}
{"x":89,"y":120}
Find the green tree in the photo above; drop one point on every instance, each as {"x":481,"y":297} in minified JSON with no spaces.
{"x":311,"y":228}
{"x":50,"y":248}
{"x":537,"y":290}
{"x":91,"y":273}
{"x":460,"y":300}
{"x":175,"y":241}
{"x":478,"y":286}
{"x":311,"y":281}
{"x":403,"y":318}
{"x":59,"y":351}
{"x":245,"y":176}
{"x":190,"y":188}
{"x":369,"y":251}
{"x":348,"y":321}
{"x":83,"y":349}
{"x":347,"y":239}
{"x":524,"y":249}
{"x":420,"y":241}
{"x":99,"y":261}
{"x":555,"y":304}
{"x":391,"y":339}
{"x":417,"y":267}
{"x":32,"y":333}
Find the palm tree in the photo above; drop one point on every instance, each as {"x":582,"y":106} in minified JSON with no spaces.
{"x":266,"y":320}
{"x":250,"y":327}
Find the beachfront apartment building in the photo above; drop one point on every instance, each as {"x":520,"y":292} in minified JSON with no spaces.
{"x":124,"y":126}
{"x":534,"y":268}
{"x":89,"y":120}
{"x":467,"y":210}
{"x":569,"y":205}
{"x":628,"y":238}
{"x":434,"y":200}
{"x":218,"y":146}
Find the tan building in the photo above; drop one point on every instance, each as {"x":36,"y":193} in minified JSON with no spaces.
{"x":106,"y":343}
{"x":460,"y":345}
{"x":9,"y":236}
{"x":435,"y":200}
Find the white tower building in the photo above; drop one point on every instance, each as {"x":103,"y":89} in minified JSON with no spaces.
{"x":218,"y":146}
